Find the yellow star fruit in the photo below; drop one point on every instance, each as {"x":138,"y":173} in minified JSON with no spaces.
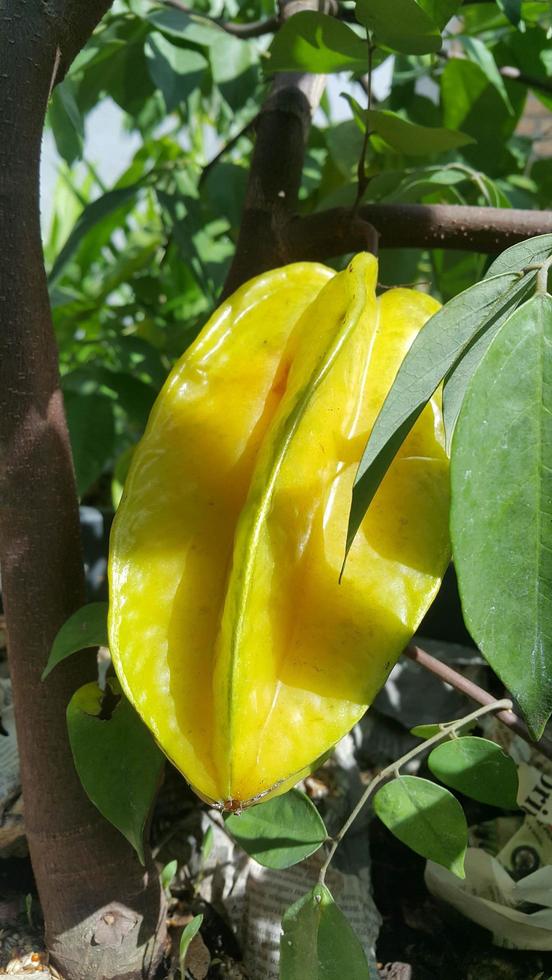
{"x":229,"y":629}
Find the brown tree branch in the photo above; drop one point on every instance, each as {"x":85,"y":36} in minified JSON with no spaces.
{"x":320,"y":236}
{"x":87,"y":874}
{"x":460,"y":683}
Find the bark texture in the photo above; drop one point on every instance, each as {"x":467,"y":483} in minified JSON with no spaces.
{"x":103,"y":911}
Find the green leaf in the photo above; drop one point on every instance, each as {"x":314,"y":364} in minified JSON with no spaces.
{"x":425,"y":731}
{"x":478,"y":768}
{"x":428,"y":731}
{"x":344,"y":143}
{"x":425,"y":817}
{"x":135,"y":397}
{"x":167,"y":875}
{"x":109,"y":204}
{"x":457,"y":380}
{"x":318,"y":942}
{"x":439,"y":346}
{"x":233,"y":65}
{"x":207,"y":845}
{"x":87,"y":627}
{"x":280,"y":832}
{"x":176,"y":71}
{"x":117,"y":760}
{"x":92,"y":430}
{"x":177,"y":24}
{"x":66,"y":121}
{"x":411,"y":139}
{"x":401,"y":25}
{"x":512,"y":9}
{"x":314,"y":42}
{"x":474,"y":105}
{"x":479,"y":53}
{"x":230,"y":58}
{"x":440,"y":11}
{"x":188,"y":934}
{"x":541,"y":173}
{"x":501,"y":476}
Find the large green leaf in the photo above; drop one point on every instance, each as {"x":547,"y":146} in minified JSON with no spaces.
{"x":410,"y":139}
{"x":501,"y":507}
{"x":401,"y":25}
{"x":482,"y":56}
{"x":318,"y":943}
{"x":440,"y":11}
{"x":478,"y":768}
{"x":87,"y":627}
{"x":280,"y":832}
{"x":472,"y":103}
{"x":118,"y":762}
{"x":439,"y":346}
{"x":176,"y":71}
{"x":457,"y":380}
{"x":315,"y":42}
{"x":425,"y":817}
{"x":92,"y":430}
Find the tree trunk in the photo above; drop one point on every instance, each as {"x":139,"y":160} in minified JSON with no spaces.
{"x":104,"y":912}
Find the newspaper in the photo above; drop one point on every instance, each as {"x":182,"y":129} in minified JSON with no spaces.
{"x":508,"y":883}
{"x":255,"y":899}
{"x":10,"y":785}
{"x":11,"y":805}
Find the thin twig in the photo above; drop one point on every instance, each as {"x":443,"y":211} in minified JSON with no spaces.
{"x":392,"y":771}
{"x":229,"y":145}
{"x":55,"y":69}
{"x":460,"y":683}
{"x":539,"y":84}
{"x":255,"y":28}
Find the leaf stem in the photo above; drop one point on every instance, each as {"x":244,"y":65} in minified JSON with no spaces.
{"x":448,"y":730}
{"x":542,"y":277}
{"x":361,"y":168}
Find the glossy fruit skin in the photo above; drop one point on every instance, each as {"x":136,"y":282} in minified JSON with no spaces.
{"x":229,"y":629}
